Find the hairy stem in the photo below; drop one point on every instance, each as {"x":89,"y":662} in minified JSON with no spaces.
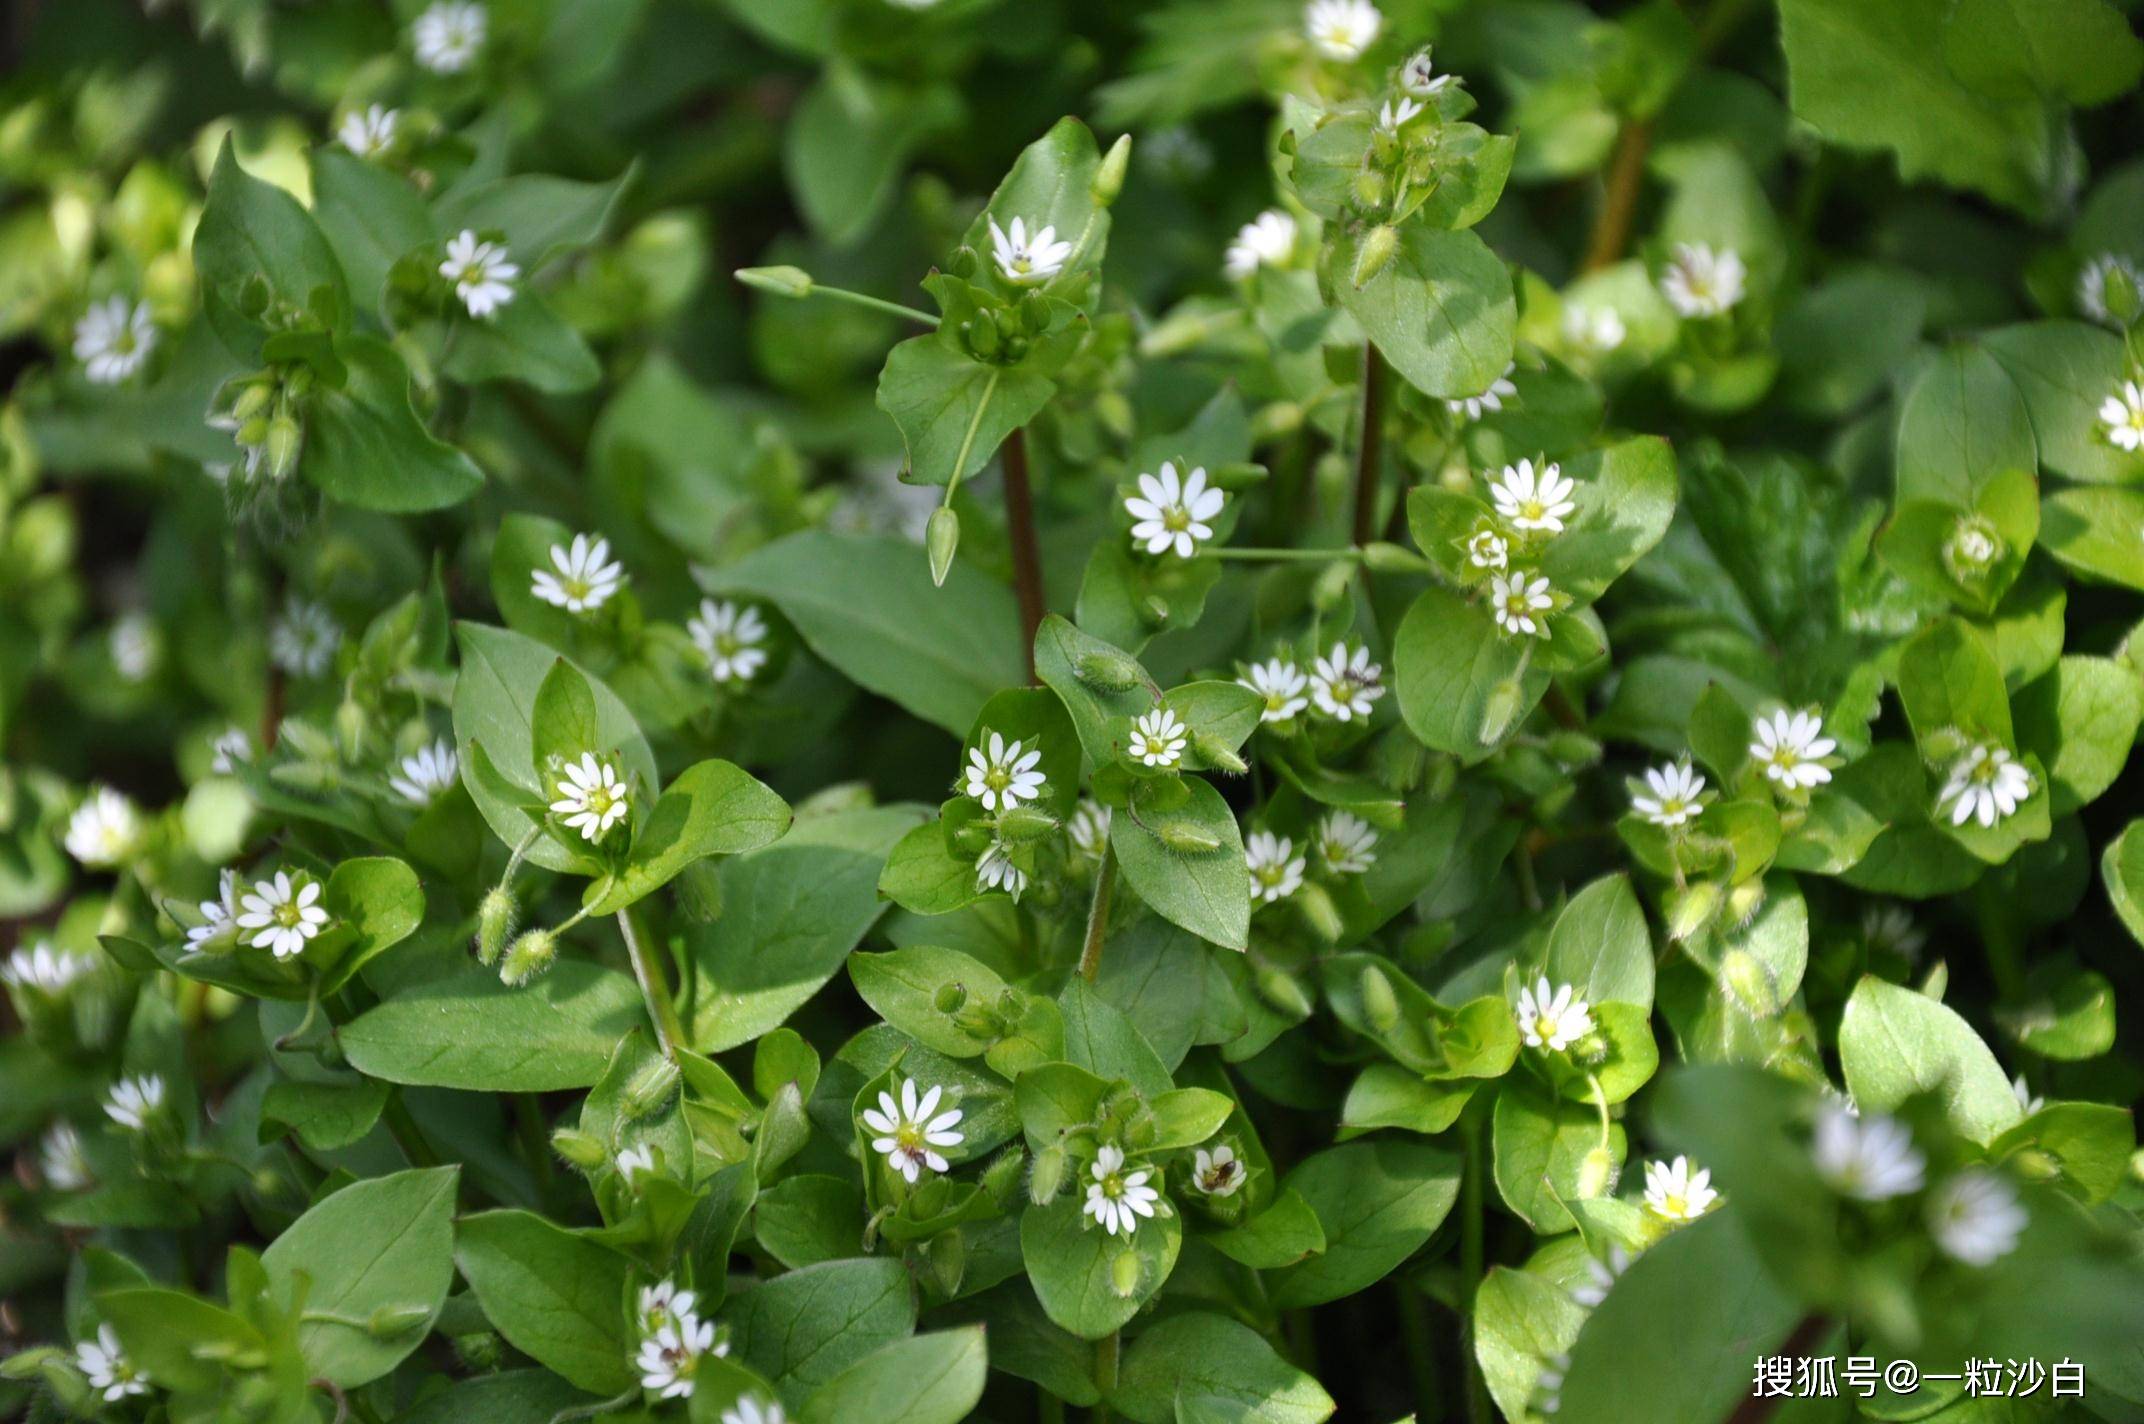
{"x":1371,"y":448}
{"x":1026,"y":553}
{"x":1626,"y":179}
{"x":1105,"y":1372}
{"x":639,"y":947}
{"x":1105,"y":877}
{"x":407,"y":1135}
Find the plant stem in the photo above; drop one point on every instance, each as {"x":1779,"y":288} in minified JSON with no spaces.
{"x":669,"y":1032}
{"x":1105,"y":1372}
{"x":1421,"y":1351}
{"x":1471,"y":1226}
{"x":1250,"y":553}
{"x":1105,"y":877}
{"x":1049,"y":1409}
{"x":535,"y":1142}
{"x":1626,"y":178}
{"x":1802,"y":1343}
{"x":407,"y":1135}
{"x":877,"y":304}
{"x":1026,"y":553}
{"x":1370,"y":449}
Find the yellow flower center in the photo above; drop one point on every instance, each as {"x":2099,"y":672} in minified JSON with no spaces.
{"x":288,"y":915}
{"x":1176,"y":518}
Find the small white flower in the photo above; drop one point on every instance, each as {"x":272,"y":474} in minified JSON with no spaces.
{"x":282,"y":915}
{"x":1025,"y":261}
{"x":1675,"y":789}
{"x":1088,"y":829}
{"x":369,"y":132}
{"x":1486,"y":549}
{"x":748,"y":1409}
{"x":1520,"y":604}
{"x":482,"y":273}
{"x":1553,"y":1016}
{"x":1219,"y":1173}
{"x":447,"y":37}
{"x":1601,"y":1276}
{"x":1158,"y":738}
{"x":1344,"y":683}
{"x":1475,"y":407}
{"x":231,"y":747}
{"x":994,"y":870}
{"x":729,"y":636}
{"x":426,"y":773}
{"x":670,"y":1357}
{"x":1394,"y":115}
{"x":1986,"y":784}
{"x":581,"y":577}
{"x":2092,"y":286}
{"x":1276,"y":870}
{"x":1789,"y":748}
{"x":1172,"y":514}
{"x":1975,"y":1217}
{"x":1266,"y":241}
{"x":1346,"y":843}
{"x":1341,"y":29}
{"x":1549,"y":1383}
{"x":1594,"y":330}
{"x":61,"y":1161}
{"x":303,"y":641}
{"x":1281,"y":684}
{"x":1891,"y":927}
{"x":219,"y":917}
{"x":107,"y":1368}
{"x":1117,"y":1198}
{"x":104,"y":831}
{"x":1535,"y":502}
{"x":664,"y":1304}
{"x":133,"y":1101}
{"x":113,"y":339}
{"x":1972,"y":549}
{"x":41,"y":967}
{"x":2123,"y":416}
{"x":1869,"y":1158}
{"x":591,"y":796}
{"x":909,"y":1135}
{"x":1005,"y":775}
{"x":134,"y":646}
{"x":1699,"y":282}
{"x":631,"y":1163}
{"x":1419,"y":77}
{"x":1674,"y":1191}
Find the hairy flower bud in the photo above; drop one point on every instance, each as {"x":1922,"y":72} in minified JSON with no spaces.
{"x":1596,"y":1174}
{"x":1748,"y":980}
{"x":1185,"y":839}
{"x":1315,"y":904}
{"x":1048,"y":1177}
{"x":528,"y":957}
{"x":1379,"y":246}
{"x":782,"y":281}
{"x":950,"y":997}
{"x":1108,"y":672}
{"x":1381,"y":557}
{"x":1025,"y":823}
{"x":650,"y":1089}
{"x":1218,"y":754}
{"x":1109,"y":176}
{"x":1283,"y":991}
{"x":391,"y":1320}
{"x":1379,"y":1004}
{"x":1124,"y":1274}
{"x":942,"y":540}
{"x":495,"y":923}
{"x":1001,"y":1179}
{"x":582,"y":1149}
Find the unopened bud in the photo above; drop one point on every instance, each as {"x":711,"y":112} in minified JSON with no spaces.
{"x":1748,"y":980}
{"x":1379,"y":247}
{"x":285,"y":436}
{"x":2036,"y":1165}
{"x":1185,"y":838}
{"x":528,"y":957}
{"x":1597,"y":1173}
{"x":950,"y":997}
{"x":1330,"y":591}
{"x":1048,"y":1178}
{"x":350,"y":729}
{"x":1109,"y":177}
{"x":649,"y":1090}
{"x":782,"y":281}
{"x":1380,"y":1006}
{"x":1025,"y":823}
{"x":495,"y":923}
{"x":1124,"y":1274}
{"x":1154,"y":609}
{"x":1574,"y":749}
{"x":481,"y":1351}
{"x":963,"y":263}
{"x":941,"y":540}
{"x":1002,"y":1177}
{"x":1383,"y":558}
{"x":1370,"y":189}
{"x":1034,"y":310}
{"x":1283,"y":991}
{"x":1218,"y":754}
{"x":982,"y":338}
{"x":1691,"y":908}
{"x":1315,"y":904}
{"x":1500,"y":710}
{"x":1108,"y":671}
{"x":582,"y":1149}
{"x":396,"y":1319}
{"x":2119,"y":293}
{"x":252,"y":401}
{"x":1743,"y":902}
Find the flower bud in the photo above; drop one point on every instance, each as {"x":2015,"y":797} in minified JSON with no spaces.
{"x":1002,"y":1177}
{"x":350,"y":729}
{"x":481,"y":1351}
{"x":1380,"y":1006}
{"x":495,"y":918}
{"x":1597,"y":1173}
{"x":1691,"y":908}
{"x":1500,"y":711}
{"x":1048,"y":1177}
{"x":391,"y":1320}
{"x":1034,"y":312}
{"x":1381,"y":557}
{"x":581,"y":1149}
{"x":963,"y":263}
{"x":981,"y":335}
{"x":1283,"y":991}
{"x":1574,"y":749}
{"x":1124,"y":1274}
{"x":650,"y":1089}
{"x":1154,"y":609}
{"x":1025,"y":823}
{"x":1218,"y":754}
{"x":782,"y":281}
{"x":1185,"y":839}
{"x":1315,"y":904}
{"x":1109,"y":177}
{"x":1743,"y":902}
{"x":285,"y":437}
{"x":2036,"y":1165}
{"x":950,"y":997}
{"x":1748,"y":981}
{"x":528,"y":957}
{"x":1379,"y":247}
{"x":941,"y":540}
{"x":2120,"y":295}
{"x":252,"y":401}
{"x":1108,"y":671}
{"x":1370,"y":189}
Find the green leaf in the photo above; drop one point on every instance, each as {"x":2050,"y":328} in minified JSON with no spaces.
{"x":1600,"y":945}
{"x":2066,"y":370}
{"x":2078,"y":51}
{"x":1626,"y":497}
{"x":1949,"y":682}
{"x":953,"y":410}
{"x":364,"y":445}
{"x":371,"y":217}
{"x":1216,"y":1365}
{"x":924,"y":877}
{"x":847,"y":142}
{"x":2093,"y":532}
{"x":804,"y":1328}
{"x":2121,"y":869}
{"x":1284,"y":1233}
{"x":255,"y":235}
{"x":378,"y":900}
{"x":1894,"y":1042}
{"x":383,"y":1247}
{"x":1441,"y":310}
{"x":1103,"y":687}
{"x":1463,"y":686}
{"x":1071,"y":1262}
{"x":563,"y":725}
{"x":1378,"y":1201}
{"x":2091,"y":1141}
{"x":556,"y":1296}
{"x":2080,"y":721}
{"x":525,"y":341}
{"x":324,"y":1115}
{"x":1207,"y":892}
{"x":1963,"y":423}
{"x":806,"y":1219}
{"x":713,"y":808}
{"x":935,"y":1378}
{"x":468,"y":1030}
{"x":539,"y":214}
{"x":1051,"y":184}
{"x":178,"y":1340}
{"x":1521,"y":1322}
{"x":1540,"y":1147}
{"x":1100,"y":1039}
{"x":903,"y":988}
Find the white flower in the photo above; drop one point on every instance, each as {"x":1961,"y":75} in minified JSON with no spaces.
{"x":1553,"y":1016}
{"x":1219,"y":1173}
{"x":113,"y":339}
{"x":2028,"y":1102}
{"x":1986,"y":784}
{"x":231,"y":747}
{"x":1675,"y":789}
{"x":1474,"y":407}
{"x":369,"y":132}
{"x":1171,"y":514}
{"x":630,"y":1164}
{"x":448,"y":36}
{"x":1520,"y":604}
{"x":61,"y":1161}
{"x":281,"y":914}
{"x":669,"y":1358}
{"x":219,"y":917}
{"x":303,"y":641}
{"x":581,"y":577}
{"x":1975,"y":1217}
{"x":1972,"y":548}
{"x":1393,"y":116}
{"x":1158,"y":738}
{"x":1117,"y":1198}
{"x":1601,"y":1276}
{"x":1345,"y":843}
{"x":104,"y":831}
{"x":1025,"y":261}
{"x":1281,"y":684}
{"x":1419,"y":77}
{"x":994,"y":870}
{"x":1674,"y":1191}
{"x":730,"y":637}
{"x":1869,"y":1158}
{"x":2123,"y":416}
{"x":106,"y":1367}
{"x":1266,"y":241}
{"x":1549,"y":1382}
{"x":1891,"y":927}
{"x":482,"y":273}
{"x":748,"y":1409}
{"x":1088,"y":829}
{"x":1699,"y":282}
{"x":1004,"y":776}
{"x":591,"y":797}
{"x":44,"y":968}
{"x":2092,"y":287}
{"x":909,"y":1136}
{"x":1276,"y":870}
{"x":664,"y":1304}
{"x":1536,"y":502}
{"x":1486,"y":549}
{"x":1596,"y":330}
{"x":426,"y":773}
{"x":133,"y":1101}
{"x":1341,"y":29}
{"x":134,"y":646}
{"x":1788,"y":748}
{"x":1344,"y":683}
